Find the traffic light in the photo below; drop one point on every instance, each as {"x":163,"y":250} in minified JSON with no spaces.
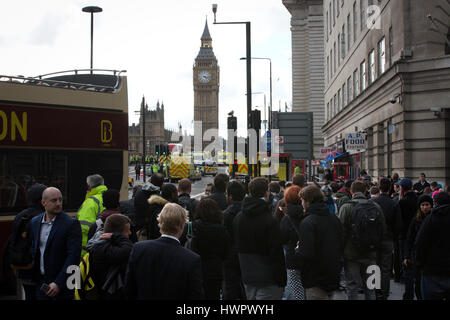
{"x":157,"y":149}
{"x":255,"y":120}
{"x":164,"y":149}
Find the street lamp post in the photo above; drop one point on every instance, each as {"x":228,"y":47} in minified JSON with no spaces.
{"x":92,"y":10}
{"x":249,"y":75}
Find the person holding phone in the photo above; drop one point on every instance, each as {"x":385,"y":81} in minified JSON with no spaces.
{"x":56,"y":244}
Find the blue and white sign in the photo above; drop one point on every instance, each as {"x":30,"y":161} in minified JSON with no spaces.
{"x":355,"y":142}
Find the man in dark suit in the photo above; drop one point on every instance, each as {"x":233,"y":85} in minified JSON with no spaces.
{"x":162,"y":269}
{"x":56,"y":243}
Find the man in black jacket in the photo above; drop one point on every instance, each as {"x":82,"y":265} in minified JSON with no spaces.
{"x":259,"y":245}
{"x":393,"y":219}
{"x":421,"y":184}
{"x":433,"y":250}
{"x":320,"y":246}
{"x":184,"y":197}
{"x":109,"y":256}
{"x":220,"y":186}
{"x":408,"y":207}
{"x":162,"y":269}
{"x":233,"y":288}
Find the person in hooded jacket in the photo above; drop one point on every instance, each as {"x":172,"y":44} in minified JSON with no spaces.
{"x":259,"y":245}
{"x":412,"y":276}
{"x":169,"y":194}
{"x":289,"y":226}
{"x":34,"y":197}
{"x":108,"y":257}
{"x":233,"y":288}
{"x":320,"y":246}
{"x":433,"y":250}
{"x":212,"y":242}
{"x":141,"y":205}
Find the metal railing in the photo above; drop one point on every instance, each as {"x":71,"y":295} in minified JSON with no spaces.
{"x":43,"y":80}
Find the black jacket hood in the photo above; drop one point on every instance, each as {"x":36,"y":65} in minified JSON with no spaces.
{"x":295,"y":211}
{"x":442,"y":210}
{"x":254,"y":206}
{"x":319,"y":208}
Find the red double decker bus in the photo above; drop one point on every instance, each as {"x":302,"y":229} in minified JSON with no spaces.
{"x":56,"y":130}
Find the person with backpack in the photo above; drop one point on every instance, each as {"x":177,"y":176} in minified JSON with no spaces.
{"x":275,"y":196}
{"x":92,"y":206}
{"x":364,"y":227}
{"x":111,"y":203}
{"x":108,"y":257}
{"x":319,"y":249}
{"x":289,"y":227}
{"x":328,"y":192}
{"x":393,"y":219}
{"x":184,"y":197}
{"x":19,"y":247}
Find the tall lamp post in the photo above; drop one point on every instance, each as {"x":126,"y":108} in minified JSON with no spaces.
{"x":249,"y":75}
{"x":92,"y":10}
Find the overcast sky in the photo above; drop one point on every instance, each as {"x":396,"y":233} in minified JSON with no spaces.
{"x":156,"y":41}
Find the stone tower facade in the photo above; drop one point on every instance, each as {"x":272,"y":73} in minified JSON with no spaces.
{"x":206,"y":87}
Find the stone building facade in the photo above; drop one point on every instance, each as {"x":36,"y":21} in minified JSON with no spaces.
{"x":307,"y":29}
{"x":387,"y":76}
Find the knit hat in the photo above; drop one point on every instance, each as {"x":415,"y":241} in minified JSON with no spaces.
{"x":406,"y":184}
{"x":424,"y":198}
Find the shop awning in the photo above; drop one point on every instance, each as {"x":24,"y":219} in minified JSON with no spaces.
{"x":333,"y":155}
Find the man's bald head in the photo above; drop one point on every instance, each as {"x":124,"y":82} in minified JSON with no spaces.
{"x":52,"y":200}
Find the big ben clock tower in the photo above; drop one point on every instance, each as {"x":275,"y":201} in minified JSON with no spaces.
{"x":206,"y":87}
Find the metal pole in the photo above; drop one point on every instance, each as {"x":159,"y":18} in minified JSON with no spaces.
{"x":249,"y":93}
{"x":270,"y":108}
{"x":143,"y":139}
{"x":92,"y":40}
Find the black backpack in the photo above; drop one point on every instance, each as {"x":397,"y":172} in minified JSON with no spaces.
{"x":366,"y":227}
{"x":20,"y":246}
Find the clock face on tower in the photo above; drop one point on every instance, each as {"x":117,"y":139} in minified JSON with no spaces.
{"x":204,"y":76}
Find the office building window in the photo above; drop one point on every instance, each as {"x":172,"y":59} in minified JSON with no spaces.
{"x":339,"y":100}
{"x":327,"y":112}
{"x":334,"y":57}
{"x":331,"y":12}
{"x":328,"y":26}
{"x":349,"y":33}
{"x":339,"y":50}
{"x":372,"y":73}
{"x":344,"y":95}
{"x":355,"y":84}
{"x":355,"y":23}
{"x":391,"y":46}
{"x":334,"y":12}
{"x":362,"y":70}
{"x":331,"y":64}
{"x":382,"y":56}
{"x":343,"y":45}
{"x":335,"y":106}
{"x":349,"y":89}
{"x":363,"y":13}
{"x":328,"y":69}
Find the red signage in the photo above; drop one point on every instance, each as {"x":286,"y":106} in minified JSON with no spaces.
{"x":46,"y":127}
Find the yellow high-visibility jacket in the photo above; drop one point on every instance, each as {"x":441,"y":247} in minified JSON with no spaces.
{"x":91,"y":208}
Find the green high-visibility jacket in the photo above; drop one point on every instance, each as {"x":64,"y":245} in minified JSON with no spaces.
{"x":89,"y":211}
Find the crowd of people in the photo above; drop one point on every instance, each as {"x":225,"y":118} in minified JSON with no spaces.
{"x":255,"y":241}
